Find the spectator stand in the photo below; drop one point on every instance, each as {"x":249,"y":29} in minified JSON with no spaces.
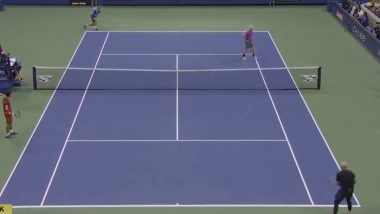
{"x":1,"y":5}
{"x":9,"y":72}
{"x":355,"y":27}
{"x":6,"y":84}
{"x":373,"y":18}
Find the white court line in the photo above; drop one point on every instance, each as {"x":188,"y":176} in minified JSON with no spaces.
{"x":185,"y":140}
{"x":177,"y":98}
{"x":166,"y":54}
{"x":286,"y":136}
{"x":138,"y":54}
{"x":182,"y":205}
{"x":69,"y":68}
{"x":315,"y":122}
{"x":40,"y":119}
{"x":177,"y":31}
{"x":73,"y":123}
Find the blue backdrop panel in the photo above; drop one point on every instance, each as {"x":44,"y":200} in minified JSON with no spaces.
{"x":206,"y":2}
{"x":31,"y":2}
{"x":168,"y":2}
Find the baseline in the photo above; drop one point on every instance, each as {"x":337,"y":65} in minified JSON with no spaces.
{"x":184,"y":140}
{"x":170,"y":173}
{"x":182,"y":205}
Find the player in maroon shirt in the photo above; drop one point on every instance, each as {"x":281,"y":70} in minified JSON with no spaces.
{"x":8,"y":115}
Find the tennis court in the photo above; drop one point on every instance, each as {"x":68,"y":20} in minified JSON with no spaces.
{"x":174,"y":143}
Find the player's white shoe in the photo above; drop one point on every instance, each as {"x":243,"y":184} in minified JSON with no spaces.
{"x":244,"y":58}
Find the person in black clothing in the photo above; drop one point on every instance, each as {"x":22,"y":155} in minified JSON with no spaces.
{"x":345,"y":179}
{"x":376,"y":31}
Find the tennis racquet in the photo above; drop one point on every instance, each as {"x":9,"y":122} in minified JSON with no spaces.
{"x":17,"y":114}
{"x":332,"y":179}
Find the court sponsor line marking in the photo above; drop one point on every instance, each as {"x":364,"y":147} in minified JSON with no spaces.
{"x":307,"y":107}
{"x":185,"y":140}
{"x":286,"y":136}
{"x":73,"y":123}
{"x":177,"y":98}
{"x":182,"y":205}
{"x":40,"y":119}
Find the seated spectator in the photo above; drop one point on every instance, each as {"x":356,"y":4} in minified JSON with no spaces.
{"x":376,"y":11}
{"x":10,"y":66}
{"x":377,"y":4}
{"x":16,"y":69}
{"x":363,"y":19}
{"x":4,"y":58}
{"x":374,"y":6}
{"x":5,"y":70}
{"x":355,"y":9}
{"x":346,"y":4}
{"x":376,"y":31}
{"x":373,"y":3}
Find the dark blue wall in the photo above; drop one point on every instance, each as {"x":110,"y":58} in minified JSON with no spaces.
{"x":1,"y":8}
{"x":166,"y":2}
{"x":31,"y":2}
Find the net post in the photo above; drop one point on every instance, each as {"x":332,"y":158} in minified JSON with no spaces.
{"x":319,"y":78}
{"x":34,"y":78}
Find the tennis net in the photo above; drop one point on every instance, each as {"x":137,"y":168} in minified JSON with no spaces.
{"x":287,"y":78}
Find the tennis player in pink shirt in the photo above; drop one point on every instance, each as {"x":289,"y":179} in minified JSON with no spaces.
{"x":248,"y":37}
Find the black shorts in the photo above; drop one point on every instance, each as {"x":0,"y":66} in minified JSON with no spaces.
{"x":93,"y":18}
{"x":343,"y":194}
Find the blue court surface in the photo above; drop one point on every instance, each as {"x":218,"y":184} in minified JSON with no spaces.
{"x":173,"y":147}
